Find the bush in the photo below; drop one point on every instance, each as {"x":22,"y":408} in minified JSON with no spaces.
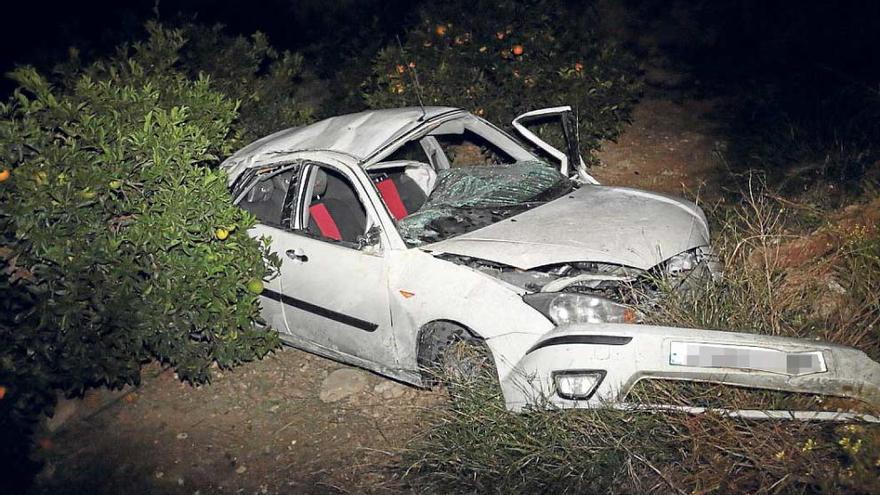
{"x":344,"y":36}
{"x":264,"y":80}
{"x":503,"y":59}
{"x":475,"y":445}
{"x":118,"y":239}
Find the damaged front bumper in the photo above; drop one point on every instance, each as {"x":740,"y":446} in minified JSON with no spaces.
{"x":597,"y":365}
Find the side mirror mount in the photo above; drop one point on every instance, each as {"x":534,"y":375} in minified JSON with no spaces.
{"x":370,"y":242}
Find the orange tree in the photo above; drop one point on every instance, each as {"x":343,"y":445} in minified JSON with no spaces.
{"x":264,"y":79}
{"x":111,"y":251}
{"x":501,"y":59}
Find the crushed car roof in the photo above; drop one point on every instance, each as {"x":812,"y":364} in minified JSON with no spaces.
{"x":357,"y":135}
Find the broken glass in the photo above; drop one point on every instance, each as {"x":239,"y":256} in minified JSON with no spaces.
{"x":467,"y":198}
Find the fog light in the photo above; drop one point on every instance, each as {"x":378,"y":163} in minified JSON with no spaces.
{"x":577,"y":384}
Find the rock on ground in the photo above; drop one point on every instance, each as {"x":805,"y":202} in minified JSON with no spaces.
{"x":343,"y":383}
{"x":390,"y":390}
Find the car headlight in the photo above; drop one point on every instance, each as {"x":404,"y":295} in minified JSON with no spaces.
{"x":698,"y":264}
{"x":577,"y":384}
{"x":682,"y":262}
{"x":564,"y":308}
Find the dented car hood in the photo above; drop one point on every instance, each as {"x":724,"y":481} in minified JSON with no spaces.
{"x":594,"y":223}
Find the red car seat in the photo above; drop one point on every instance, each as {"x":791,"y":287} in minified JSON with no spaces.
{"x":401,"y":194}
{"x":335,"y":211}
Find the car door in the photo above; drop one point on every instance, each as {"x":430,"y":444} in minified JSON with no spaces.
{"x":570,"y":161}
{"x":264,"y":194}
{"x":330,"y":296}
{"x":334,"y":288}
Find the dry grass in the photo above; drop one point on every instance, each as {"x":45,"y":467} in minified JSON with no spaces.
{"x":476,"y":446}
{"x":781,"y":280}
{"x":719,"y":396}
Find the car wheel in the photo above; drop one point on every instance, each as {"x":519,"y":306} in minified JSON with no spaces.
{"x":450,"y":355}
{"x":466,"y":362}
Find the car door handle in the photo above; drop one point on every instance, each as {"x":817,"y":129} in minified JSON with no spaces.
{"x":297,"y":255}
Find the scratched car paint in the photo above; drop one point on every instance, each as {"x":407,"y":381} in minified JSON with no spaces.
{"x":401,"y":231}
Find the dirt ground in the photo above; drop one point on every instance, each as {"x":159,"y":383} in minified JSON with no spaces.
{"x":270,"y":426}
{"x":261,"y":428}
{"x":670,"y":147}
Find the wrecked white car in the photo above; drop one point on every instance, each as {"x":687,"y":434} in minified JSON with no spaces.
{"x":403,"y":231}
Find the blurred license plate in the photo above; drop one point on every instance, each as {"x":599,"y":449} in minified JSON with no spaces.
{"x":745,"y":357}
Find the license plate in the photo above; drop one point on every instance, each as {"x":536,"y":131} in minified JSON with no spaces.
{"x":704,"y":355}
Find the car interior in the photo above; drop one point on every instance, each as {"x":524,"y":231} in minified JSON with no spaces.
{"x":266,"y":200}
{"x":403,"y":180}
{"x":335,"y":211}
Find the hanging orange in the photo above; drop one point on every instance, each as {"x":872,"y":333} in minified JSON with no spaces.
{"x":4,"y":174}
{"x":517,"y":50}
{"x":255,"y":286}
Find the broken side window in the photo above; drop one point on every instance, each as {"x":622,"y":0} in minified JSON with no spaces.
{"x":468,"y":198}
{"x":270,"y":197}
{"x":335,"y":211}
{"x":469,"y":149}
{"x":411,"y":151}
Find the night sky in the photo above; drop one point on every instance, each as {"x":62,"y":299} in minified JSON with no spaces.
{"x":723,"y":39}
{"x":41,"y":36}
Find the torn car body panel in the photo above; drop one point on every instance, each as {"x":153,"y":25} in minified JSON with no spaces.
{"x":358,"y":135}
{"x":629,"y":353}
{"x":568,"y":158}
{"x":387,"y":221}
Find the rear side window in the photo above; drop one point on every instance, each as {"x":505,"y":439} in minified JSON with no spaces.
{"x":270,"y":198}
{"x":469,"y":149}
{"x":411,"y":151}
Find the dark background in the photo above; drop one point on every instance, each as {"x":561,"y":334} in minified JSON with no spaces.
{"x":811,"y":66}
{"x":723,"y":42}
{"x":40,"y":33}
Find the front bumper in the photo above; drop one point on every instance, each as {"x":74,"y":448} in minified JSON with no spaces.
{"x":629,"y":353}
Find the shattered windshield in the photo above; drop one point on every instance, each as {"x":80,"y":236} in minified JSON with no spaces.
{"x":468,"y":198}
